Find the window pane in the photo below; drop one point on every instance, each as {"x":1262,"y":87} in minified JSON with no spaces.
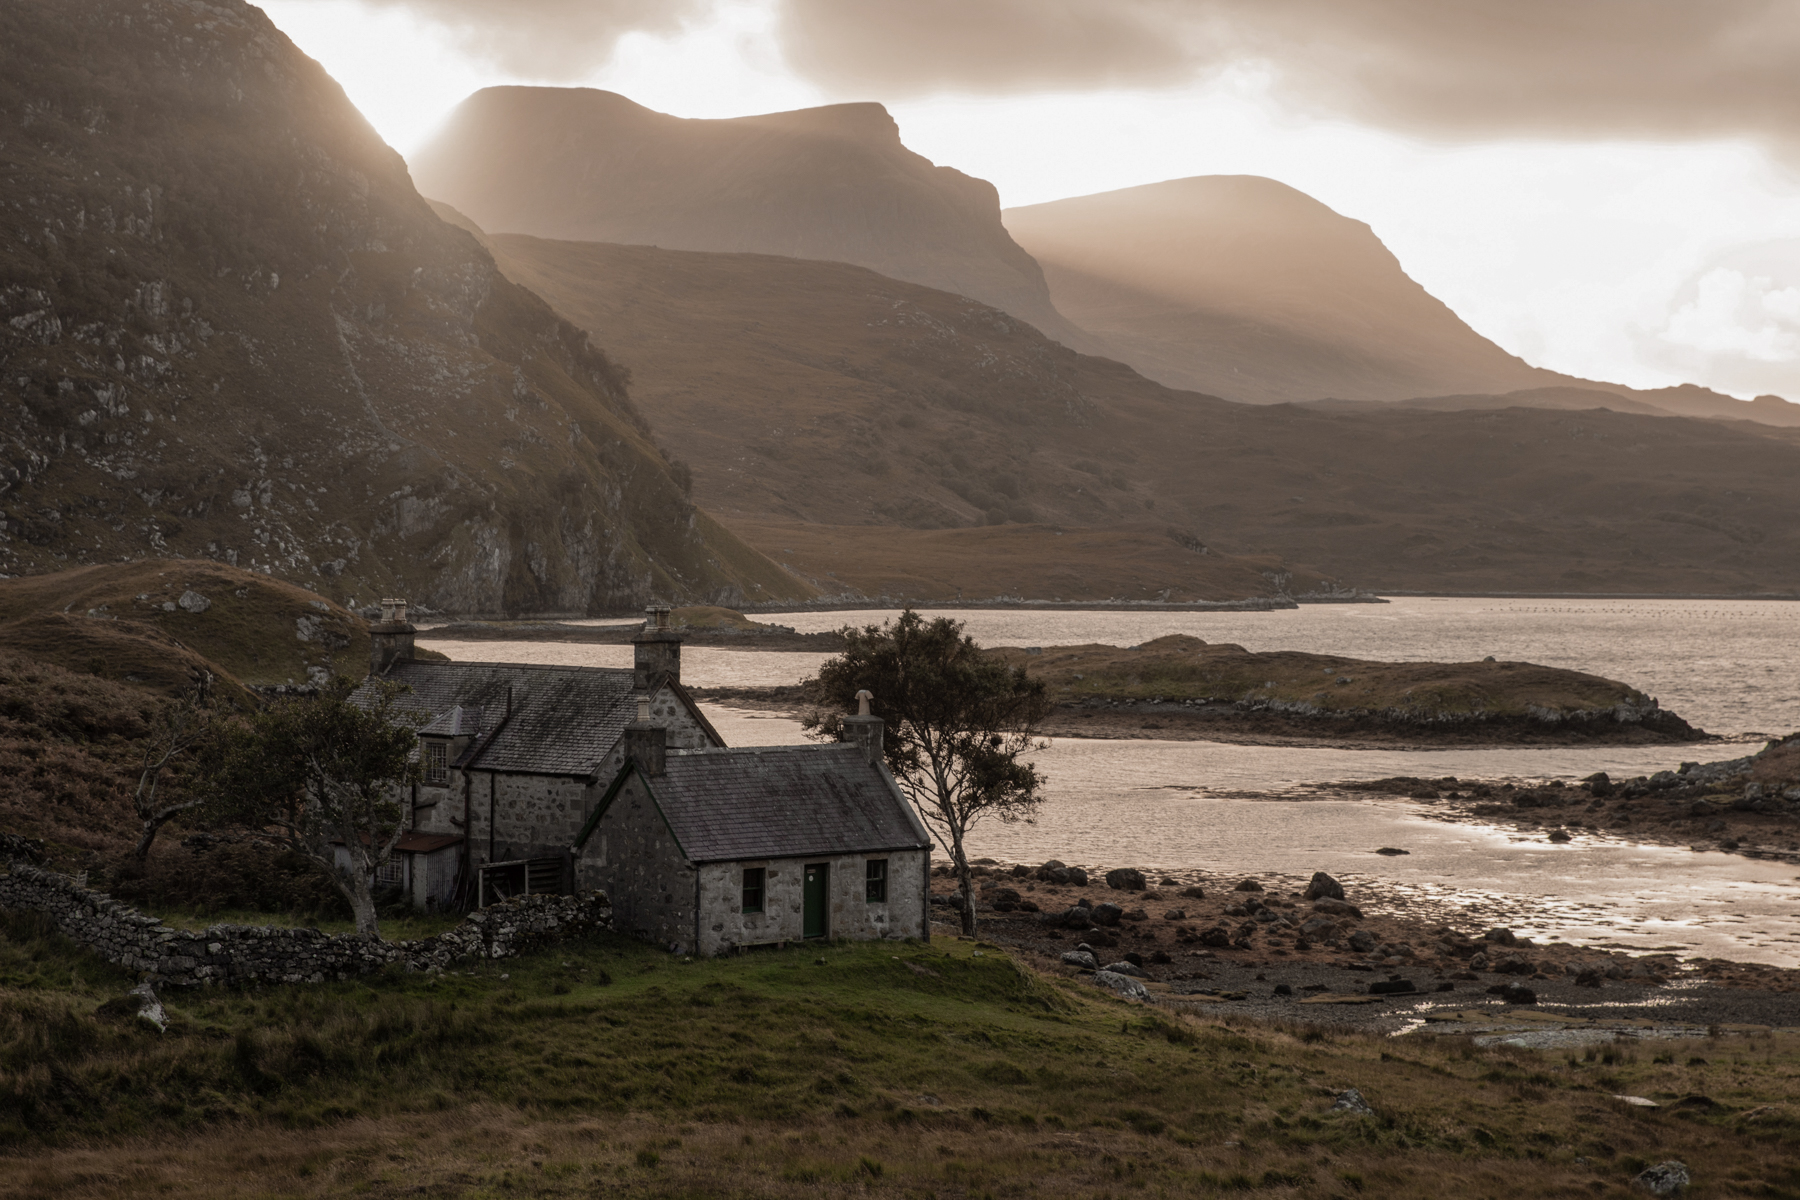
{"x":876,"y":875}
{"x":753,"y":889}
{"x":437,"y":762}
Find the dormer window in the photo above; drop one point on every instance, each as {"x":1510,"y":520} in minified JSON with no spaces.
{"x":437,"y":763}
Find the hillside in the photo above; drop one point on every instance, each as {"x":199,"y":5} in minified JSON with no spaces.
{"x":1248,"y":289}
{"x":1251,"y":290}
{"x":819,"y":402}
{"x":826,"y":183}
{"x":233,"y":330}
{"x":153,"y":622}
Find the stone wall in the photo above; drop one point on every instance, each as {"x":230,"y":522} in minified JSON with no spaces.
{"x":725,"y":925}
{"x":633,"y":857}
{"x":269,"y":954}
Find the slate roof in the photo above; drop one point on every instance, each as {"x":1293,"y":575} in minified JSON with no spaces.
{"x":563,"y":719}
{"x":458,"y":722}
{"x":782,"y":802}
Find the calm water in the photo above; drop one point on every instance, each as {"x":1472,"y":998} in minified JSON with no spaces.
{"x":1730,"y":667}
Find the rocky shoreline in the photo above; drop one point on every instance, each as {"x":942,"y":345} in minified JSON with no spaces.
{"x":776,"y":638}
{"x":1151,"y":720}
{"x":1748,"y":805}
{"x":1309,"y":951}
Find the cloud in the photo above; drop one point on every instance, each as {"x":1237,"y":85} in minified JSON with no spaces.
{"x":1736,"y":322}
{"x":549,"y":39}
{"x":1671,"y":69}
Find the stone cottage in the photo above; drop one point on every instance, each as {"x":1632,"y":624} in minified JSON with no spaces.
{"x":516,"y":756}
{"x":707,"y":850}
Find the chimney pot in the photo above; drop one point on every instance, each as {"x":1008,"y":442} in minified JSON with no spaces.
{"x":865,"y":729}
{"x":646,"y":743}
{"x":390,"y":639}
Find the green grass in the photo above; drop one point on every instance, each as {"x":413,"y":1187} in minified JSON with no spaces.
{"x":944,"y":1069}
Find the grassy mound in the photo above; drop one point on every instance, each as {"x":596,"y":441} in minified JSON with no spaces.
{"x":127,"y":621}
{"x":1179,"y":668}
{"x":944,"y":1069}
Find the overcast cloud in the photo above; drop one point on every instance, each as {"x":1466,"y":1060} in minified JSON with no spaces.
{"x":1664,"y":69}
{"x":1482,"y":68}
{"x":552,"y":40}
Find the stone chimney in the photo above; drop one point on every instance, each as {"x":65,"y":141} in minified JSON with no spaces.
{"x":646,"y":743}
{"x":391,"y":638}
{"x":657,"y":650}
{"x":865,"y":729}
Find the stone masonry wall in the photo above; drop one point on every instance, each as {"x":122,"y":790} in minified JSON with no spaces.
{"x":268,"y":954}
{"x":725,"y":925}
{"x":633,"y":857}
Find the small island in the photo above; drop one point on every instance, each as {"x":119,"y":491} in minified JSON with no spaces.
{"x":1183,"y":688}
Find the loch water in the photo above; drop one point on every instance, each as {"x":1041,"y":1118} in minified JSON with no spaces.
{"x":1730,"y":667}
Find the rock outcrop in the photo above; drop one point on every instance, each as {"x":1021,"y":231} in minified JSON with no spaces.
{"x":232,"y":329}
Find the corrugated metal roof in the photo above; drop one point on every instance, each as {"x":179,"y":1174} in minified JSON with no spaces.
{"x":782,"y":802}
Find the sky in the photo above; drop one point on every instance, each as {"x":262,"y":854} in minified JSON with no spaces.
{"x":1609,"y":188}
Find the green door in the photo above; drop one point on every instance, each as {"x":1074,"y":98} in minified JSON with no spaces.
{"x":818,"y":888}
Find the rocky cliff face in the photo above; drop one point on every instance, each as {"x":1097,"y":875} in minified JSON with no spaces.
{"x":230,"y":328}
{"x":825,"y":183}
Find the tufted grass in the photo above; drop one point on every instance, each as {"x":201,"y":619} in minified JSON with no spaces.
{"x":610,"y":1068}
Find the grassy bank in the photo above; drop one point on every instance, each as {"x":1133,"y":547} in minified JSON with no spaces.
{"x":1183,"y":670}
{"x":941,"y":1069}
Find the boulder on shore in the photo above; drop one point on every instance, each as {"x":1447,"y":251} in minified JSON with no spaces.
{"x":1126,"y":879}
{"x":1323,"y":887}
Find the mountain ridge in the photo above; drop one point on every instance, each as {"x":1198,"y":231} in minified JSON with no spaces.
{"x":1248,"y":288}
{"x":232,"y":329}
{"x":834,"y":183}
{"x":914,"y":441}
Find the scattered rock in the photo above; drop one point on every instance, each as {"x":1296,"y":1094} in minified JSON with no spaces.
{"x":1514,"y":993}
{"x":1318,"y":928}
{"x":1362,"y":941}
{"x":194,"y":602}
{"x":1125,"y":986}
{"x":1248,"y":885}
{"x":1664,"y":1179}
{"x":1505,"y":937}
{"x":1560,"y":835}
{"x":1218,"y":935}
{"x":150,"y":1009}
{"x":1599,"y":783}
{"x":1125,"y":967}
{"x":1351,"y":1101}
{"x":1323,"y":887}
{"x":1106,"y":913}
{"x":1512,"y":964}
{"x":1126,"y":879}
{"x":1391,"y":851}
{"x":1081,"y":958}
{"x":1337,"y":908}
{"x":1137,"y":914}
{"x":1078,"y":877}
{"x":1391,"y":987}
{"x":1175,"y":914}
{"x":1282,"y":989}
{"x":1194,"y":893}
{"x":1073,"y":917}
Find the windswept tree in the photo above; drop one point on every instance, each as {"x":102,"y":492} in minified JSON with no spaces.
{"x":957,"y":723}
{"x":324,"y":776}
{"x":182,"y":727}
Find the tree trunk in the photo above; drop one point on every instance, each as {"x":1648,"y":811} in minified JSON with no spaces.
{"x":151,"y":826}
{"x":362,"y":904}
{"x":967,"y":880}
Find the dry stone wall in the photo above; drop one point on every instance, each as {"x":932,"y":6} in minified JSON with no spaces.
{"x":268,"y":954}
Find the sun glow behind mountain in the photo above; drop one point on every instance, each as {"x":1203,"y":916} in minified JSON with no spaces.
{"x":1609,"y":258}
